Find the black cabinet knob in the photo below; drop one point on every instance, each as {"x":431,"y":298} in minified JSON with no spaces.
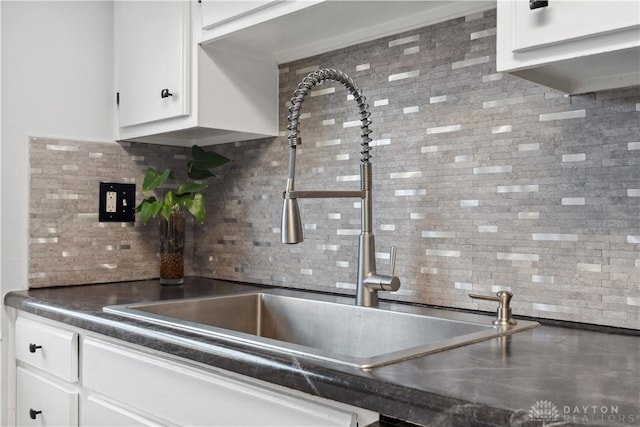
{"x":33,"y":414}
{"x":536,"y":4}
{"x":164,"y":93}
{"x":33,"y":348}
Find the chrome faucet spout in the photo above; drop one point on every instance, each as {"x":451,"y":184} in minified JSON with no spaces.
{"x":369,"y":282}
{"x":291,"y":222}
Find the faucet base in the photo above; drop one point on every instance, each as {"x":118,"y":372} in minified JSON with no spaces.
{"x":369,"y":282}
{"x":367,"y":298}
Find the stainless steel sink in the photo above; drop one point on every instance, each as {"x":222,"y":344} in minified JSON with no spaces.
{"x":331,"y":331}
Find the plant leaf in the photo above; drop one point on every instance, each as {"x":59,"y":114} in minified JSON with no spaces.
{"x":147,"y":200}
{"x":169,"y":205}
{"x":190,"y":187}
{"x":149,"y":209}
{"x":197,"y":207}
{"x":181,"y":200}
{"x":206,"y":159}
{"x":187,"y":194}
{"x":197,"y":174}
{"x":154,"y":179}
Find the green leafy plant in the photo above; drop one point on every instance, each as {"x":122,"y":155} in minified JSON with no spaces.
{"x":188,"y":194}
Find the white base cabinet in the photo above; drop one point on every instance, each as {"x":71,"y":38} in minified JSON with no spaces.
{"x":48,"y":348}
{"x":44,"y":402}
{"x":97,"y":411}
{"x":46,"y":374}
{"x":121,"y":384}
{"x":186,"y":396}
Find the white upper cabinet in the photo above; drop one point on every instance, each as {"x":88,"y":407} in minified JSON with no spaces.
{"x":221,"y":18}
{"x":206,"y":72}
{"x":173,"y":91}
{"x":217,"y":12}
{"x":573,"y":46}
{"x":153,"y":45}
{"x":286,"y":31}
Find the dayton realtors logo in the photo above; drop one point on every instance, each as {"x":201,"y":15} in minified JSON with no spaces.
{"x":548,"y":412}
{"x":544,"y":411}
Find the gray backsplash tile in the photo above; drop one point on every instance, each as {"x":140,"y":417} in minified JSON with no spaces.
{"x":484,"y":181}
{"x":67,"y":244}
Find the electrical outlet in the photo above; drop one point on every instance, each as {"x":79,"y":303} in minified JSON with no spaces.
{"x":111,"y":201}
{"x":117,"y":202}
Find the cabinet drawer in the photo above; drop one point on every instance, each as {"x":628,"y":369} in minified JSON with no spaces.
{"x":49,"y":348}
{"x":99,"y":412}
{"x":188,"y":396}
{"x":41,"y":402}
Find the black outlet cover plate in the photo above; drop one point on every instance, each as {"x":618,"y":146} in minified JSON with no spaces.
{"x":124,"y":204}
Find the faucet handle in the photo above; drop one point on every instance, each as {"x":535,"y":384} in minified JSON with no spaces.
{"x":391,"y":282}
{"x":392,"y":259}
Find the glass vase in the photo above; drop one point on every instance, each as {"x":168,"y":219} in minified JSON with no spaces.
{"x":172,"y":233}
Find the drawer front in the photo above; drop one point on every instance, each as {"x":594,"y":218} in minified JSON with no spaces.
{"x":99,"y":412}
{"x":41,"y":402}
{"x":49,"y":348}
{"x":187,"y":396}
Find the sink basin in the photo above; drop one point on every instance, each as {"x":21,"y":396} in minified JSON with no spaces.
{"x":331,"y":331}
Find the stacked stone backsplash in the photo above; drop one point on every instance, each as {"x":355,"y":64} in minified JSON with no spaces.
{"x":68,"y":246}
{"x":484,"y":182}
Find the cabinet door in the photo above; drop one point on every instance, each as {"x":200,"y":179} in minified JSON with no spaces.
{"x":217,"y":12}
{"x":42,"y":402}
{"x":97,"y":411}
{"x":563,"y":21}
{"x":186,"y":396}
{"x":153,"y":60}
{"x":575,"y":47}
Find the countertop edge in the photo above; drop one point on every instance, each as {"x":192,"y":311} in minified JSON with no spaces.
{"x":393,"y":400}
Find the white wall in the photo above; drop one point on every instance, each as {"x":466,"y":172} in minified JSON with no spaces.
{"x":57,"y":80}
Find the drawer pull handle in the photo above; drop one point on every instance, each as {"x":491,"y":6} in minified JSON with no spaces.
{"x":164,"y":93}
{"x":33,"y":348}
{"x":536,"y":4}
{"x":33,"y":414}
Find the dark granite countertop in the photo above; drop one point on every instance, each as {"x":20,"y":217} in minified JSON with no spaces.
{"x":591,"y":378}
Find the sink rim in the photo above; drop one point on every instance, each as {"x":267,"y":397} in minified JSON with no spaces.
{"x":281,"y":346}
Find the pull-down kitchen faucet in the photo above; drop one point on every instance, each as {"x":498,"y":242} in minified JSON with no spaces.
{"x":369,"y":282}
